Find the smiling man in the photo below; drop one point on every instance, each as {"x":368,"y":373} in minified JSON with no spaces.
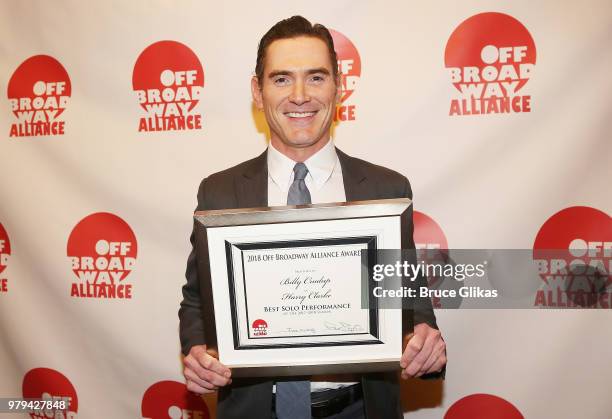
{"x":297,"y":85}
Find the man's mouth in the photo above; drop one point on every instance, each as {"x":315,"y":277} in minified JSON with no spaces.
{"x":300,"y":114}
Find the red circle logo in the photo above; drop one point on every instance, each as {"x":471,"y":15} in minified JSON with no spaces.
{"x":432,"y":248}
{"x":483,"y":406}
{"x":260,"y":327}
{"x":102,"y":250}
{"x":349,"y":63}
{"x":172,"y":400}
{"x":427,"y":232}
{"x":38,"y":92}
{"x":168,"y":79}
{"x":349,"y":66}
{"x":5,"y":252}
{"x":573,"y":253}
{"x":490,"y":57}
{"x":48,"y":384}
{"x":5,"y":248}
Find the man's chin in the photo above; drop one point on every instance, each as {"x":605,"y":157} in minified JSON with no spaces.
{"x":301,"y":141}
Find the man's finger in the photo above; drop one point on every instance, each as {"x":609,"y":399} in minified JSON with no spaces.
{"x":428,"y":364}
{"x":416,"y":361}
{"x":205,"y":373}
{"x":212,"y":352}
{"x":209,"y":362}
{"x":431,"y":337}
{"x":407,"y":339}
{"x":204,"y":368}
{"x":191,"y":376}
{"x":192,"y":364}
{"x":216,"y":379}
{"x":439,"y":364}
{"x":415,"y":343}
{"x":435,"y":354}
{"x":427,"y":348}
{"x":194,"y":387}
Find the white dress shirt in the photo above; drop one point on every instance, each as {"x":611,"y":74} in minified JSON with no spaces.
{"x":325,"y":184}
{"x":324,"y":178}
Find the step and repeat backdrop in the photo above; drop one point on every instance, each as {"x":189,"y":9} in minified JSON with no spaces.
{"x":112,"y":112}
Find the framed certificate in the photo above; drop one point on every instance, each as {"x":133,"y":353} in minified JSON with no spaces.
{"x":285,"y":289}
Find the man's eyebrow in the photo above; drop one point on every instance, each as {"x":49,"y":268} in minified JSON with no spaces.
{"x":321,"y":70}
{"x":275,"y":73}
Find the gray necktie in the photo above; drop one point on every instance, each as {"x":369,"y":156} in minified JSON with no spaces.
{"x":293,"y":397}
{"x":298,"y":192}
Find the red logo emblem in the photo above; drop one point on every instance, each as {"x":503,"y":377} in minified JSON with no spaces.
{"x":168,"y":80}
{"x":573,"y":253}
{"x":490,"y":57}
{"x":483,"y":406}
{"x":48,"y":384}
{"x":102,"y":249}
{"x":38,"y":92}
{"x":172,"y":400}
{"x":260,"y":327}
{"x":428,"y":239}
{"x":427,"y":233}
{"x":5,"y":252}
{"x":349,"y":65}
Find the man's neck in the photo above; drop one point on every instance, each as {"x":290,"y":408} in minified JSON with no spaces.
{"x":299,"y":154}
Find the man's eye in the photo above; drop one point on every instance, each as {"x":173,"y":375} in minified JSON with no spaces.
{"x":281,"y":81}
{"x":317,"y":78}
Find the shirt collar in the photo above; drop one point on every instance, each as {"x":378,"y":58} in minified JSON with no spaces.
{"x":320,"y":166}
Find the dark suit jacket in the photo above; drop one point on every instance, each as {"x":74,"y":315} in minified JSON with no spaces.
{"x":245,"y":186}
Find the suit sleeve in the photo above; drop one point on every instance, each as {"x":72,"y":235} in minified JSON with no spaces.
{"x":191,"y":322}
{"x":423,"y":310}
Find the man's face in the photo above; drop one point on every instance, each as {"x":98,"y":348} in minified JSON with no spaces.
{"x":297,"y":93}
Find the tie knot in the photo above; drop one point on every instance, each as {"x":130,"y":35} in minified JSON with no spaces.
{"x":300,"y":170}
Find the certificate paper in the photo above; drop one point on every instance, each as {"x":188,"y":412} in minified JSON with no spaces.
{"x":299,"y":291}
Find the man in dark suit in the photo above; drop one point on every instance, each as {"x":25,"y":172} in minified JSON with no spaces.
{"x":297,"y":85}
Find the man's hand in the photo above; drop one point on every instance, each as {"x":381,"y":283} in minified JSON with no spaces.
{"x":203,"y":372}
{"x":425,"y":352}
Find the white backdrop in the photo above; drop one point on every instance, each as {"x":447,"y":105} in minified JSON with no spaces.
{"x":489,"y":181}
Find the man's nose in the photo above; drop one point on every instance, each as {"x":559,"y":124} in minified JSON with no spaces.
{"x":299,"y":93}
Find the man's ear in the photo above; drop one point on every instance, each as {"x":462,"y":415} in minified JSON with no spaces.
{"x":338,"y":87}
{"x":256,"y":92}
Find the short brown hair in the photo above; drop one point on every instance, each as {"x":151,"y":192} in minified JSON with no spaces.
{"x":294,"y":27}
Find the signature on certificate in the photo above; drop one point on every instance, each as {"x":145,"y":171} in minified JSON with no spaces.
{"x":343,"y":327}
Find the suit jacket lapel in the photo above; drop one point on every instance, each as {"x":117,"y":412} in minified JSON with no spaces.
{"x":356,"y":185}
{"x":252,"y":184}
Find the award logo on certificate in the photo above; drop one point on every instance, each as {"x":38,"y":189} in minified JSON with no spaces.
{"x":285,"y":286}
